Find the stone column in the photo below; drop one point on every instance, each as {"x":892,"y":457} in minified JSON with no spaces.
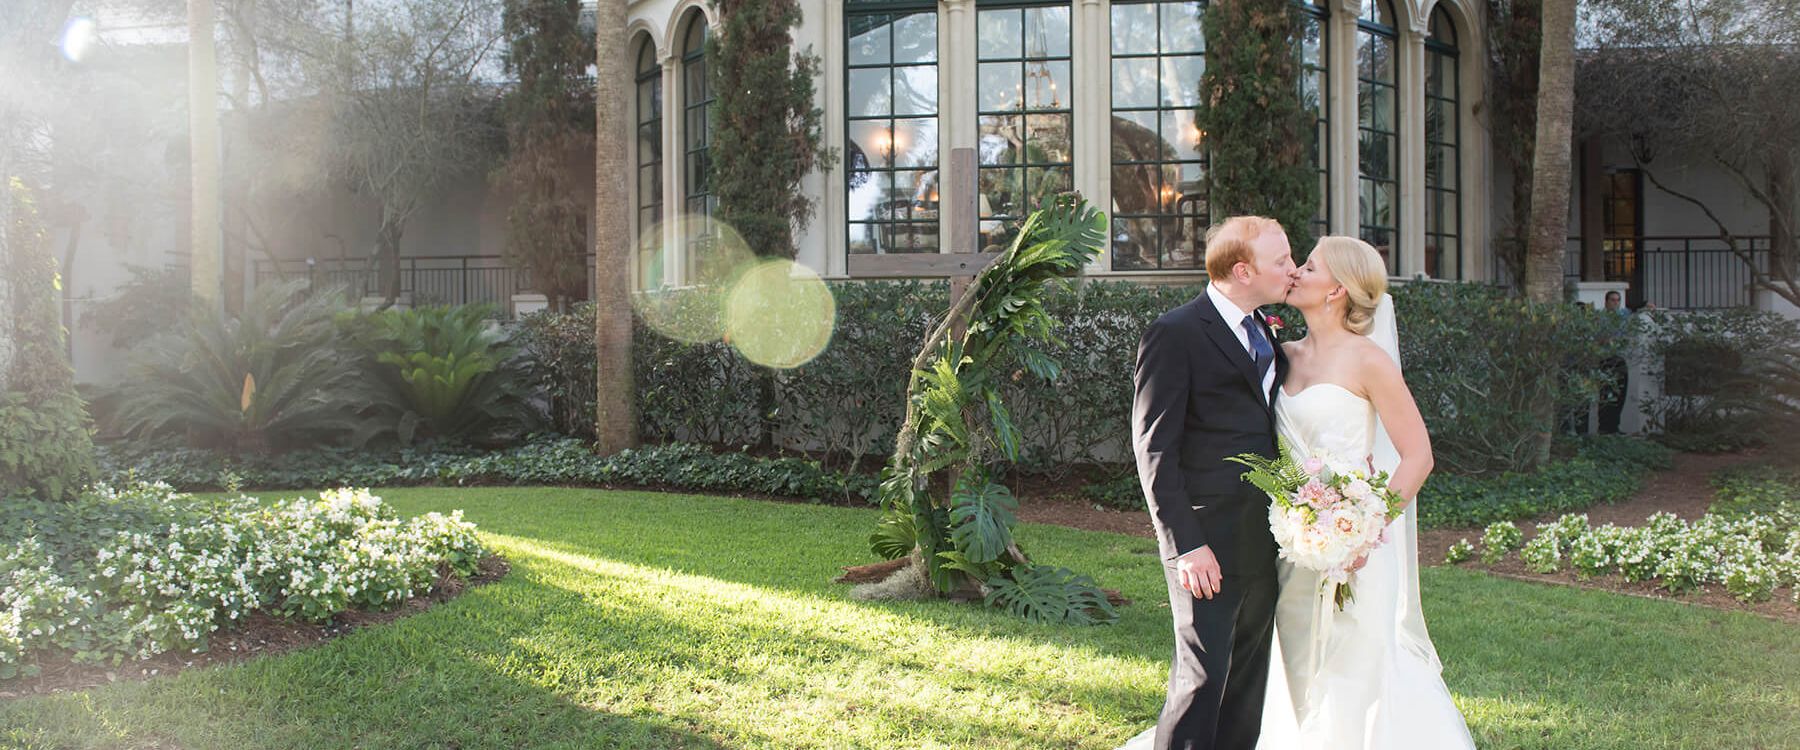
{"x":674,"y":119}
{"x":1411,"y":82}
{"x":958,"y":121}
{"x":1092,"y":71}
{"x":1341,"y":63}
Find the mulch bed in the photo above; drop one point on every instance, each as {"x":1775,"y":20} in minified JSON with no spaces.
{"x":260,"y":635}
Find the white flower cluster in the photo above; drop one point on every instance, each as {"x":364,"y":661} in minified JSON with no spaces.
{"x":146,"y":593}
{"x":1750,"y":556}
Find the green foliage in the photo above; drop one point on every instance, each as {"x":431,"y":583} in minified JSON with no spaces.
{"x":544,"y":460}
{"x":561,"y":355}
{"x":277,"y":376}
{"x":1598,"y":472}
{"x":1260,"y":130}
{"x":142,"y":307}
{"x":445,"y":372}
{"x":1473,"y":357}
{"x":957,"y":418}
{"x":1043,"y":594}
{"x":1500,"y":538}
{"x":1460,"y":552}
{"x":1728,"y":378}
{"x":549,"y":116}
{"x":767,"y":133}
{"x":46,"y":448}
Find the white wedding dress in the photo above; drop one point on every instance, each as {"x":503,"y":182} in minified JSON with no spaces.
{"x":1365,"y":678}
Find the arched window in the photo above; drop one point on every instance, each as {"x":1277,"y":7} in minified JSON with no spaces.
{"x":697,"y":97}
{"x":1025,"y":105}
{"x":891,"y":126}
{"x":649,"y":165}
{"x":1315,"y":85}
{"x":1158,"y":166}
{"x":1378,"y":125}
{"x":1443,"y":150}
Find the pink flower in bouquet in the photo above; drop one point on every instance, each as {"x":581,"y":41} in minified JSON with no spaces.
{"x":1318,"y":494}
{"x":1313,"y":465}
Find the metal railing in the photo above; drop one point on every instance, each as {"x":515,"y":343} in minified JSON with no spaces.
{"x":1677,"y":272}
{"x":426,"y":280}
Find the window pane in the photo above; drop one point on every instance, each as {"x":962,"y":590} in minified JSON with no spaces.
{"x":1001,"y":87}
{"x":915,"y":38}
{"x":1000,"y":136}
{"x":916,"y":90}
{"x":1047,"y":31}
{"x":1179,"y":131}
{"x":873,"y":47}
{"x":1136,"y":188}
{"x":875,"y":140}
{"x":1048,"y":138}
{"x":1000,"y":32}
{"x":870,"y":92}
{"x":1135,"y":139}
{"x":915,"y":142}
{"x":1047,"y":85}
{"x":1134,"y":244}
{"x":1181,"y":81}
{"x":1181,"y":28}
{"x":1134,"y":82}
{"x":1133,"y":28}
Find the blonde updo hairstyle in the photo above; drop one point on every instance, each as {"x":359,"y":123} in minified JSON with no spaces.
{"x":1359,"y":268}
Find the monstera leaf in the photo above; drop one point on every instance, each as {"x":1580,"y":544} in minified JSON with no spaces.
{"x":1044,"y":594}
{"x":982,"y":518}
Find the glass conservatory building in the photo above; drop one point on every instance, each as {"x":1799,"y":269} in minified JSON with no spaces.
{"x":1089,"y":95}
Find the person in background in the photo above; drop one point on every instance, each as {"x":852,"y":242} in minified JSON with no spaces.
{"x":1612,"y":398}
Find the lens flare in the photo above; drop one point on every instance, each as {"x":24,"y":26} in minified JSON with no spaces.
{"x":79,"y":37}
{"x":681,"y":295}
{"x":780,"y":314}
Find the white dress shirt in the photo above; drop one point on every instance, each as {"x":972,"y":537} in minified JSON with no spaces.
{"x":1234,"y":319}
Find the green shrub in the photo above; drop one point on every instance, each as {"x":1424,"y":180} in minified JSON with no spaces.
{"x":46,"y":447}
{"x":278,"y":376}
{"x":541,"y":461}
{"x":1473,"y":357}
{"x":1603,"y":470}
{"x":560,"y":349}
{"x":444,"y":373}
{"x":1460,"y":552}
{"x":1499,"y":539}
{"x":1729,"y":378}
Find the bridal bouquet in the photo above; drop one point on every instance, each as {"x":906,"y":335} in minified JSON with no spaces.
{"x":1326,"y":514}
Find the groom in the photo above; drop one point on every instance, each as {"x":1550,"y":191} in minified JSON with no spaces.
{"x":1206,"y":379}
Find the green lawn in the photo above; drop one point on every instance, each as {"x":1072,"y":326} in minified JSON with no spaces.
{"x":640,"y":620}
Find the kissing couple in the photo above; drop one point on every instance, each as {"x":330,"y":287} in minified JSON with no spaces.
{"x":1264,"y":657}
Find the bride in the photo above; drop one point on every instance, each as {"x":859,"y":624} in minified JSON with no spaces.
{"x":1366,"y":676}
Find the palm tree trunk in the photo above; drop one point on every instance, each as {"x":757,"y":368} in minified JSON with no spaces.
{"x":1550,"y":191}
{"x":203,"y":131}
{"x":1550,"y":159}
{"x":615,"y":415}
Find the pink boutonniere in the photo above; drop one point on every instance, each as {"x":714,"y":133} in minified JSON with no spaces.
{"x":1275,"y":323}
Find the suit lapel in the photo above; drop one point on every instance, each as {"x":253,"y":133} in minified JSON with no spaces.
{"x":1281,"y":364}
{"x":1223,"y":337}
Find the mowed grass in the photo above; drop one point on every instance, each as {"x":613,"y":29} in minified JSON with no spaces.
{"x":656,"y":621}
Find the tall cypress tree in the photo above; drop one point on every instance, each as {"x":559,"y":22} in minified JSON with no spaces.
{"x":549,"y":120}
{"x":768,"y":132}
{"x":1259,"y":131}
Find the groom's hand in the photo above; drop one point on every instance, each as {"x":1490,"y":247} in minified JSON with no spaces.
{"x":1198,"y":572}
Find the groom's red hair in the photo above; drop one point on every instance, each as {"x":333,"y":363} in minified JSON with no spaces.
{"x":1228,"y":243}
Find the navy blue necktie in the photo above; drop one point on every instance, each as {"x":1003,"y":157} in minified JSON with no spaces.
{"x":1263,"y":354}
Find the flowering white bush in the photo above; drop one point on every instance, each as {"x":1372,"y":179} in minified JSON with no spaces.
{"x":1499,"y":538}
{"x":166,"y":569}
{"x":1750,"y":555}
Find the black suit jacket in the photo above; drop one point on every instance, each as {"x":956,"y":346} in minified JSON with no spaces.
{"x":1196,"y":404}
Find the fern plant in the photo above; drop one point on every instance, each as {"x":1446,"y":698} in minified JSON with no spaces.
{"x":958,"y":424}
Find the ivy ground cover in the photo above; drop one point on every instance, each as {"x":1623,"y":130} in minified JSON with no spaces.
{"x":642,"y":620}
